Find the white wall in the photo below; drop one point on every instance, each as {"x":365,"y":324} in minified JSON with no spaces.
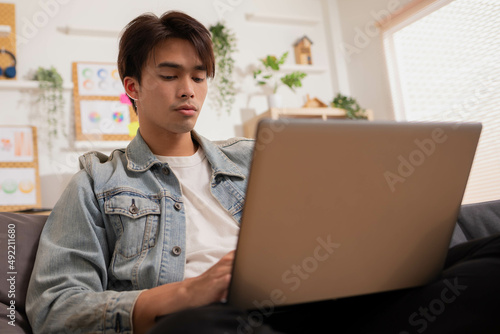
{"x":42,"y":44}
{"x":346,"y":44}
{"x":363,"y":52}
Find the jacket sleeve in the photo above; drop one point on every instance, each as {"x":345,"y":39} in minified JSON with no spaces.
{"x":67,"y":291}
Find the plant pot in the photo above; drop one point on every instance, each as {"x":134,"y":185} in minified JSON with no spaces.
{"x":274,"y":101}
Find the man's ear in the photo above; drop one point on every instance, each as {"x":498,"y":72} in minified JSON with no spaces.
{"x":131,"y":87}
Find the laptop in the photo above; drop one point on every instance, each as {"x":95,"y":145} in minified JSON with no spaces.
{"x":345,"y":208}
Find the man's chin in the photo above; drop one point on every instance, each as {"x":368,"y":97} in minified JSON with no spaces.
{"x":177,"y":129}
{"x":182,"y":128}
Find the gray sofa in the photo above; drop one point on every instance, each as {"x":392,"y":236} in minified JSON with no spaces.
{"x":474,"y":221}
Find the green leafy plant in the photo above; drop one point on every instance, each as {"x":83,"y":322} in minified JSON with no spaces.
{"x":224,"y":43}
{"x":51,"y":102}
{"x":350,"y":105}
{"x":269,"y":75}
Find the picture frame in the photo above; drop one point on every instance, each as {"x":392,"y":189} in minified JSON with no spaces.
{"x":103,"y":111}
{"x":19,"y":174}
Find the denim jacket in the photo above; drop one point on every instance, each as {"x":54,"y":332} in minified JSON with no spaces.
{"x":120,"y":228}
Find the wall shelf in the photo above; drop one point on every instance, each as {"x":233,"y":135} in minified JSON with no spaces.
{"x":250,"y":126}
{"x":84,"y":146}
{"x":281,"y":19}
{"x":90,"y":32}
{"x":310,"y":69}
{"x":26,"y":85}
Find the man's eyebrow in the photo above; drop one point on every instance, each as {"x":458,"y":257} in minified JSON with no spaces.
{"x":200,"y":68}
{"x":179,"y":66}
{"x":169,"y":64}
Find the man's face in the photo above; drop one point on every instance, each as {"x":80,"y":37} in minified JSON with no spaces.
{"x":172,"y":90}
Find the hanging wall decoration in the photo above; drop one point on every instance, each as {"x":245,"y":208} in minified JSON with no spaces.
{"x":19,"y":178}
{"x":102,"y":110}
{"x":303,"y":51}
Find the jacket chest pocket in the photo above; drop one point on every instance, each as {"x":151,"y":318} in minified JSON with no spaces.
{"x":135,"y":220}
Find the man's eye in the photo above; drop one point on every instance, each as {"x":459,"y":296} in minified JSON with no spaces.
{"x":167,"y":77}
{"x":198,"y":79}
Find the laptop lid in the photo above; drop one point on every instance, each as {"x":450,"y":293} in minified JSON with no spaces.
{"x":342,"y":208}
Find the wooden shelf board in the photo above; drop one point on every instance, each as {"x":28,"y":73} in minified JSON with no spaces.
{"x":281,"y":19}
{"x":90,"y":32}
{"x":26,"y":84}
{"x":311,"y":69}
{"x":250,"y":126}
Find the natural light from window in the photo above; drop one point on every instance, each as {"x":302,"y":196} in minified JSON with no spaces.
{"x":445,"y":66}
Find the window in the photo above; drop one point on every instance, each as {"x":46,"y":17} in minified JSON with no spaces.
{"x":444,"y":65}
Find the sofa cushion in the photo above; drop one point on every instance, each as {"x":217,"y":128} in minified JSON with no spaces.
{"x":19,"y":235}
{"x":477,"y":220}
{"x":480,"y":220}
{"x":20,"y":326}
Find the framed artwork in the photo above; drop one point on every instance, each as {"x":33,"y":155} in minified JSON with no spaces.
{"x":19,"y":177}
{"x":102,"y":110}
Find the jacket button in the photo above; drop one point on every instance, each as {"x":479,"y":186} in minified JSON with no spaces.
{"x":176,"y":251}
{"x":165,"y":170}
{"x":178,"y":206}
{"x":133,"y":209}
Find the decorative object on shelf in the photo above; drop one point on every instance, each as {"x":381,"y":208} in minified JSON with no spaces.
{"x":274,"y":101}
{"x":314,"y":103}
{"x":8,"y":37}
{"x":51,"y":102}
{"x":223,"y":90}
{"x":269,"y":76}
{"x":350,"y":105}
{"x":303,"y":51}
{"x":10,"y":71}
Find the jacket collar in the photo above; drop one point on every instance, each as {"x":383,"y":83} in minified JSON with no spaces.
{"x":140,"y":158}
{"x":220,"y":163}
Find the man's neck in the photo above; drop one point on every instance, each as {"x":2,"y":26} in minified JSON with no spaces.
{"x":172,"y":144}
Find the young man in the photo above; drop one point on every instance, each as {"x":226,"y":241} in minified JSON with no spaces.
{"x":149,"y":230}
{"x":143,"y":239}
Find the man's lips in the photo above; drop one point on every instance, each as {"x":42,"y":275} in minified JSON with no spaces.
{"x":186,"y":109}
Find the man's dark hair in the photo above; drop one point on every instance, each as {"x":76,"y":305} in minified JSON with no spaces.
{"x":146,"y":31}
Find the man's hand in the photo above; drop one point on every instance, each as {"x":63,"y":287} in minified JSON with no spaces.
{"x":209,"y":287}
{"x":212,"y":285}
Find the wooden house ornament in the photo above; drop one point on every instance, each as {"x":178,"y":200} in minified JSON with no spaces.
{"x":303,"y":51}
{"x":314,"y":103}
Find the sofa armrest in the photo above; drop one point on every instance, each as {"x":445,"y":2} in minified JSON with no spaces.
{"x":477,"y":220}
{"x":19,"y":236}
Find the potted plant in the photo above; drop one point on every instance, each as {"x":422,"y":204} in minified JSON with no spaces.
{"x":269,"y":76}
{"x":51,"y":102}
{"x":350,"y":105}
{"x":224,"y":43}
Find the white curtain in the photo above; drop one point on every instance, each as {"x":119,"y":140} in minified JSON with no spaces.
{"x":443,"y":59}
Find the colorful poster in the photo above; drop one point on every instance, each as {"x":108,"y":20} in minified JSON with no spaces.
{"x":99,"y":80}
{"x":16,"y":144}
{"x":102,"y":109}
{"x":104,"y":117}
{"x":18,"y":186}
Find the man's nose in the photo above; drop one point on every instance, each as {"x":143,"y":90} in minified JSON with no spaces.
{"x":186,"y":88}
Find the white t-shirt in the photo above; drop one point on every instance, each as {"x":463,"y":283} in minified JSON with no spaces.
{"x":211,"y":232}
